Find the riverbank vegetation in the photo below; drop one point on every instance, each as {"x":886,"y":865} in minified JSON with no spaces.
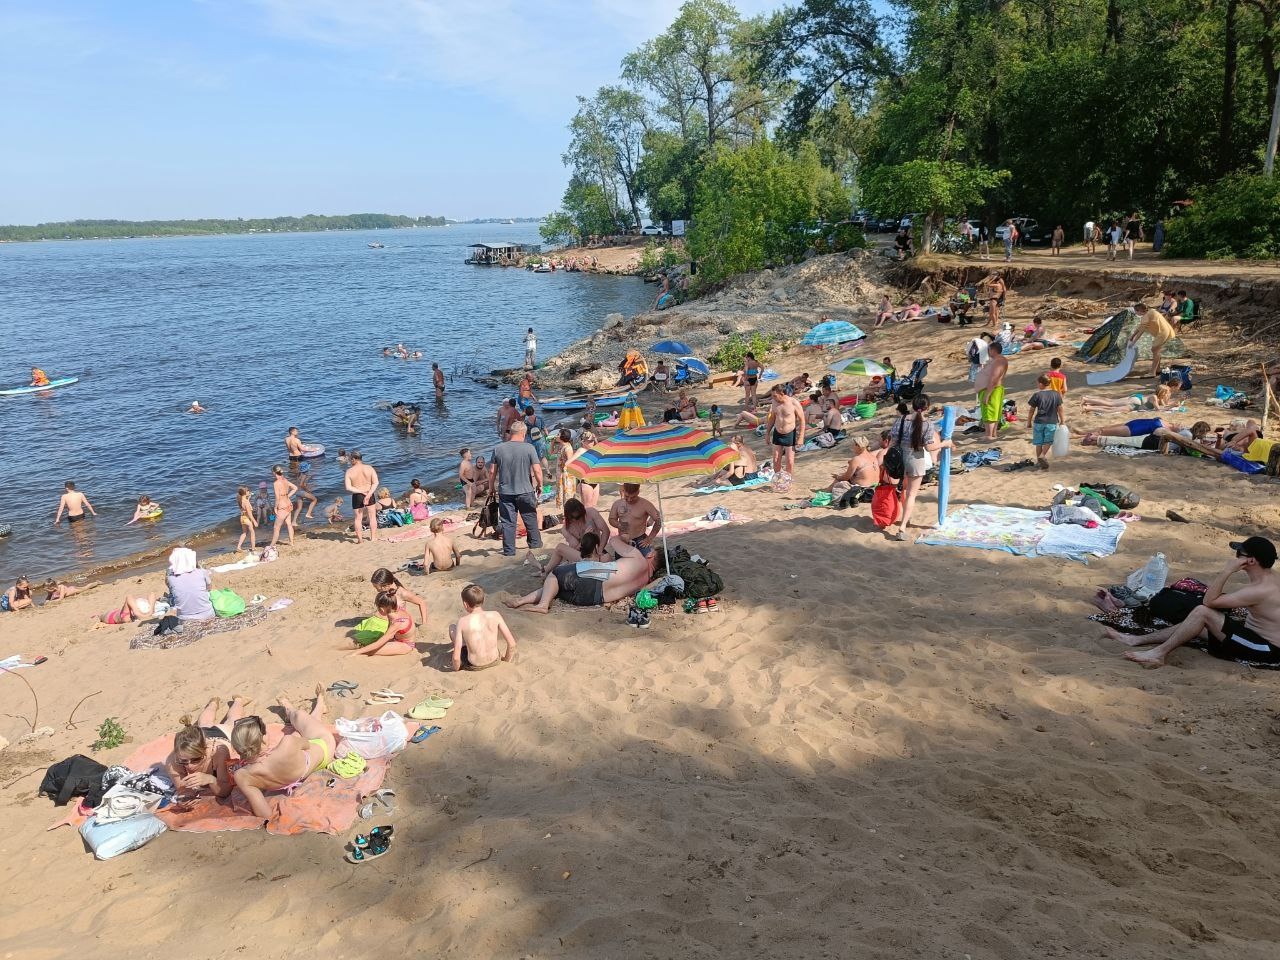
{"x":1065,"y":112}
{"x":115,"y":229}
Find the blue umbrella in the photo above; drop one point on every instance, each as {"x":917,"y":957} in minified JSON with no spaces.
{"x":830,"y":332}
{"x":696,"y":365}
{"x":673,"y":347}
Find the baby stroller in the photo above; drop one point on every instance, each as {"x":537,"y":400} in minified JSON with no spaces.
{"x":907,"y":387}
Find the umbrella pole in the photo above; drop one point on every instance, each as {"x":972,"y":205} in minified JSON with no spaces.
{"x":666,"y":556}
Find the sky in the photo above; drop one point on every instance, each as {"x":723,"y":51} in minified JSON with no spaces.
{"x":167,"y":109}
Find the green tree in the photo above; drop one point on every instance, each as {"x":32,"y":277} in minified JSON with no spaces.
{"x":935,"y":187}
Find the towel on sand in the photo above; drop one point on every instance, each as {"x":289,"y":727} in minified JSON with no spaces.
{"x":193,"y":630}
{"x":724,"y":488}
{"x":677,"y":527}
{"x":1026,"y":533}
{"x":311,"y":808}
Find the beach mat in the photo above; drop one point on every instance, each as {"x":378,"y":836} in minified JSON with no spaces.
{"x":729,"y":488}
{"x":194,"y":631}
{"x":678,"y":527}
{"x":311,"y":808}
{"x":1024,"y":533}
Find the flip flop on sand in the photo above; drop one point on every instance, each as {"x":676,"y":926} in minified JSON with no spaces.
{"x":384,"y":696}
{"x":425,"y":711}
{"x":423,"y":732}
{"x":342,"y":688}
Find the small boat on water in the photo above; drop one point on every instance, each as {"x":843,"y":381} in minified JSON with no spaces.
{"x":375,"y":245}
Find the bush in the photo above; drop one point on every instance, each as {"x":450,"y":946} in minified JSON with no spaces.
{"x":734,"y":350}
{"x":659,"y":256}
{"x":110,"y":735}
{"x":841,"y":237}
{"x":1239,"y":216}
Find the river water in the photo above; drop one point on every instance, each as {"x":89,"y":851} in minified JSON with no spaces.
{"x":267,"y":331}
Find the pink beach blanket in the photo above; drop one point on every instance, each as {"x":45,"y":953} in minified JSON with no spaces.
{"x":311,"y":808}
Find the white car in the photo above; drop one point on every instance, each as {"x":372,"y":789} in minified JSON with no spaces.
{"x":652,"y":231}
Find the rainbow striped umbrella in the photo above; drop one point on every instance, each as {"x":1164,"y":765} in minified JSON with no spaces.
{"x":664,"y":451}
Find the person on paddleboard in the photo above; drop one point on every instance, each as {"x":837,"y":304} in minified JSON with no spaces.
{"x":39,"y":378}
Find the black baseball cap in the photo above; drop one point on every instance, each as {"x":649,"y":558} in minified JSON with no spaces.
{"x":1259,"y":548}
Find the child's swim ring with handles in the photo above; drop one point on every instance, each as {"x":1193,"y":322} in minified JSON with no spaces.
{"x":312,"y":450}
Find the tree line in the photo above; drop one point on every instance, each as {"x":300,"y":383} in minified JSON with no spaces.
{"x":1065,"y":110}
{"x":107,"y":229}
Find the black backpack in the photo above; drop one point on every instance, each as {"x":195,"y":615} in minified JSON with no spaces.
{"x":77,"y":776}
{"x":894,"y":463}
{"x":975,"y":355}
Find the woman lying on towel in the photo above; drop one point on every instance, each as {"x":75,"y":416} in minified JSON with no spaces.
{"x":310,"y":747}
{"x":202,"y":750}
{"x":1156,"y":401}
{"x":594,"y":580}
{"x":1157,"y":438}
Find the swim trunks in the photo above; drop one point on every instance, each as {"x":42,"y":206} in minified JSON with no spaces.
{"x":787,"y":439}
{"x":358,"y":501}
{"x":991,"y":401}
{"x":645,"y":551}
{"x":75,"y":519}
{"x":1244,"y":645}
{"x":468,"y":665}
{"x":1140,"y":428}
{"x":578,"y":591}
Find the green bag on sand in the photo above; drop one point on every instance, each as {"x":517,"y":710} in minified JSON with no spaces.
{"x":821,"y":499}
{"x":1105,"y":506}
{"x":226,"y":603}
{"x":370,"y":629}
{"x":646,"y":600}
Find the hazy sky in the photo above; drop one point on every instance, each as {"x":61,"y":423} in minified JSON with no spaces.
{"x":141,"y":109}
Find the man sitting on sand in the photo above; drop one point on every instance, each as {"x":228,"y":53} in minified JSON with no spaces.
{"x":861,"y":474}
{"x":441,"y":553}
{"x":1256,"y":640}
{"x":475,"y":635}
{"x":636,"y":519}
{"x":591,"y":581}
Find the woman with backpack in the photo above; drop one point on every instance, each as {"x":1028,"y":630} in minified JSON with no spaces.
{"x":913,"y":442}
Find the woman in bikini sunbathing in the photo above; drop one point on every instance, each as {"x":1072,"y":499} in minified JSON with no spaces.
{"x":130,"y":609}
{"x":202,"y":750}
{"x":297,"y":755}
{"x":399,"y":635}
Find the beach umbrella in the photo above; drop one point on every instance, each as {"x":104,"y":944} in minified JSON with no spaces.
{"x":664,"y":451}
{"x":859,"y":367}
{"x":696,"y":365}
{"x":830,"y":332}
{"x":676,"y":348}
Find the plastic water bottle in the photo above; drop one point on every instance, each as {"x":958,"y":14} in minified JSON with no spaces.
{"x":1155,"y":575}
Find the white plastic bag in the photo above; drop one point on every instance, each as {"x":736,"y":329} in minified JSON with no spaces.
{"x":108,"y":840}
{"x":1061,"y":441}
{"x":372,"y":737}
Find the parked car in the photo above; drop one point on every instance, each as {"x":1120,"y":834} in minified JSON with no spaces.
{"x":652,"y":230}
{"x":1028,"y":228}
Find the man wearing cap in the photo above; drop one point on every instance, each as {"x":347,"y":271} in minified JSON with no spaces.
{"x":1256,"y":640}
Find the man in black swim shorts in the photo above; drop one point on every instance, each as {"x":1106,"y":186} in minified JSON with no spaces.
{"x":575,"y":590}
{"x":786,"y":431}
{"x":1255,"y":641}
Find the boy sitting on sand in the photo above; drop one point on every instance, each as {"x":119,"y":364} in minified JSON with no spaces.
{"x":441,"y":554}
{"x":475,"y":635}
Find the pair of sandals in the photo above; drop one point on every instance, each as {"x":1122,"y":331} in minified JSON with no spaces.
{"x":371,"y":847}
{"x":385,"y":798}
{"x":383,"y":697}
{"x":343,"y":689}
{"x":433,"y":707}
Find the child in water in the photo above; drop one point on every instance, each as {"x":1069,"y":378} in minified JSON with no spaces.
{"x":248,"y":523}
{"x":262,"y":504}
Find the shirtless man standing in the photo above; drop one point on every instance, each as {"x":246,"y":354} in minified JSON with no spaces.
{"x":475,"y":635}
{"x":786,"y":431}
{"x":1256,"y":641}
{"x":437,"y":378}
{"x":507,"y":413}
{"x":990,"y":386}
{"x":362,"y":484}
{"x":631,"y":516}
{"x":474,"y":482}
{"x":293,"y":444}
{"x":75,"y":503}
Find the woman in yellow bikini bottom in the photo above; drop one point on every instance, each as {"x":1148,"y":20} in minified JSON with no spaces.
{"x":310,"y":747}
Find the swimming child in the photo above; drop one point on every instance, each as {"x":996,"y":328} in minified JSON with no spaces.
{"x":441,"y":554}
{"x":305,"y":492}
{"x":398,"y":638}
{"x":716,"y":417}
{"x":475,"y":635}
{"x":342,"y":457}
{"x":145,"y":509}
{"x":248,"y":523}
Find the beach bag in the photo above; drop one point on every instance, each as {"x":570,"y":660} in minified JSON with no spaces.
{"x":1121,"y":496}
{"x":1173,"y":605}
{"x":226,"y":603}
{"x":77,"y":776}
{"x":115,"y":837}
{"x":370,"y":629}
{"x":885,"y":504}
{"x":372,"y":737}
{"x":420,"y":511}
{"x":826,"y":439}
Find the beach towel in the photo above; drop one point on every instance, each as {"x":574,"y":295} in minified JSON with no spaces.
{"x":312,"y":807}
{"x":1025,"y":533}
{"x":242,"y":564}
{"x":677,"y":528}
{"x":193,"y":630}
{"x":723,"y":488}
{"x":981,"y":458}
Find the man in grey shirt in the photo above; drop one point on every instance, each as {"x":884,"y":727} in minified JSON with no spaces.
{"x":515,"y":471}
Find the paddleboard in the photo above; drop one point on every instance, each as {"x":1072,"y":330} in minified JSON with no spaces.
{"x":1116,"y":373}
{"x":567,"y":403}
{"x":312,"y":450}
{"x":944,"y":463}
{"x":51,"y":385}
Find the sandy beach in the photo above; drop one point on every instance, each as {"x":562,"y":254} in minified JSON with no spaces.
{"x":874,"y":749}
